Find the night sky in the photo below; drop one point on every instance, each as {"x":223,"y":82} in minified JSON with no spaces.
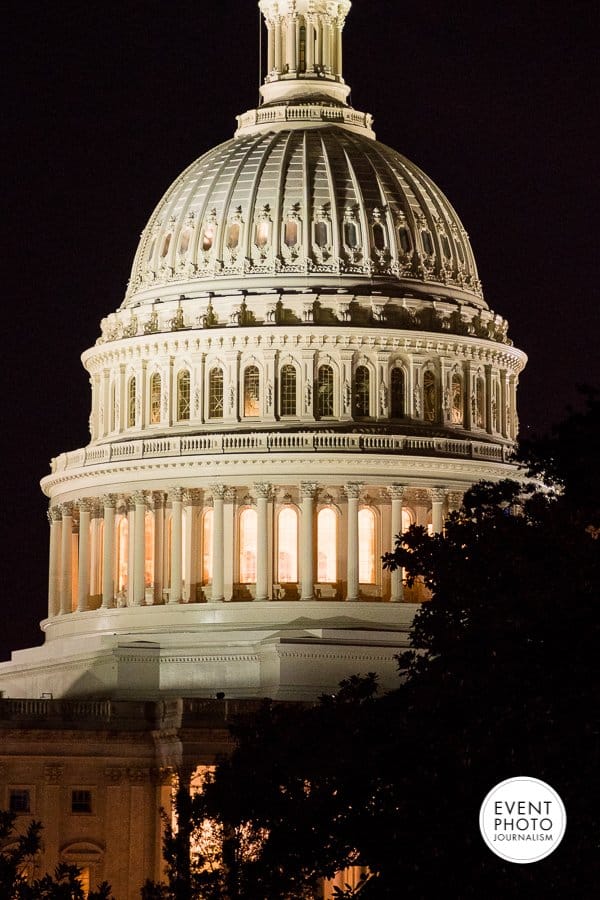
{"x":109,"y":102}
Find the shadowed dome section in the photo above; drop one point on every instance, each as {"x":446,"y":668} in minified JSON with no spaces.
{"x":302,"y":207}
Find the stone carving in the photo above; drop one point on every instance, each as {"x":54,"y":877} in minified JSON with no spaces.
{"x":383,"y":398}
{"x":53,"y":774}
{"x":308,"y":396}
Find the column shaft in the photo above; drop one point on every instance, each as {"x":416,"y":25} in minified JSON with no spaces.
{"x":66,"y":562}
{"x":396,"y":587}
{"x":306,"y":544}
{"x":108,"y":556}
{"x":352,"y":590}
{"x":218,"y":545}
{"x":139,"y":551}
{"x":83,"y":578}
{"x":262,"y":549}
{"x":176,"y":547}
{"x":54,"y":563}
{"x":438,"y":496}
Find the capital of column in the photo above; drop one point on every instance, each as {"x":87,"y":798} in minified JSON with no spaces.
{"x":157,"y":499}
{"x":109,"y":501}
{"x":308,"y":489}
{"x":438,"y":494}
{"x":66,"y":509}
{"x":84,"y":505}
{"x":218,"y":491}
{"x":139,"y":498}
{"x":421,"y":498}
{"x":191,"y":497}
{"x":175,"y":494}
{"x":397,"y":491}
{"x":455,"y":499}
{"x":263,"y":490}
{"x":54,"y":514}
{"x":353,"y":489}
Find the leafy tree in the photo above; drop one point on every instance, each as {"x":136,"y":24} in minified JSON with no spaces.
{"x":17,"y":851}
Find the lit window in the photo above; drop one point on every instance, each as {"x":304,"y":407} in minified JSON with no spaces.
{"x":351,"y":235}
{"x":251,"y":391}
{"x":183,"y":395}
{"x":366,"y":546}
{"x":233,"y":236}
{"x":429,"y":397}
{"x":327,"y":545}
{"x":405,"y":239}
{"x":208,"y":237}
{"x":427,"y":242}
{"x":155,"y":392}
{"x":166,"y":245}
{"x":149,"y":549}
{"x":184,"y":241}
{"x":248,"y":542}
{"x":207,"y":545}
{"x":361,"y":391}
{"x":291,"y":233}
{"x":457,"y":400}
{"x":261,"y":236}
{"x":397,"y":393}
{"x":325,"y":391}
{"x":84,"y":879}
{"x":215,"y":394}
{"x":407,"y":519}
{"x":288,"y":391}
{"x":81,"y":801}
{"x":379,"y":236}
{"x":131,"y":398}
{"x":287,"y":542}
{"x":122,"y":552}
{"x":480,"y":397}
{"x":321,"y":235}
{"x":19,"y":800}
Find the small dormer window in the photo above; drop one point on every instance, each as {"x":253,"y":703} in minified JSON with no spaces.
{"x":461,"y":253}
{"x":351,"y":235}
{"x":184,"y":241}
{"x":321,"y":235}
{"x":446,"y":247}
{"x":405,"y":239}
{"x":166,"y":245}
{"x":290,"y":236}
{"x":379,"y":236}
{"x":427,"y":242}
{"x":261,"y":234}
{"x":233,"y":236}
{"x":208,"y":236}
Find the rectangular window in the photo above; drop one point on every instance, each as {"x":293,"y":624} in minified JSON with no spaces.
{"x":19,"y":800}
{"x":81,"y":801}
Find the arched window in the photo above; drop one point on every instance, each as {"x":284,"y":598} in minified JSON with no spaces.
{"x":149,"y":549}
{"x":366,"y":546}
{"x":325,"y":391}
{"x":207,"y":545}
{"x":287,"y":544}
{"x":131,"y":402}
{"x":361,"y":391}
{"x":397,"y":393}
{"x":494,"y":404}
{"x":405,"y":239}
{"x":379,"y":236}
{"x":251,"y":391}
{"x":155,"y":392}
{"x":183,"y":395}
{"x":327,"y":545}
{"x":248,"y":542}
{"x":184,"y":241}
{"x":208,"y":236}
{"x":446,"y":247}
{"x":408,"y":519}
{"x":261,"y":234}
{"x":302,"y":50}
{"x":215,"y":394}
{"x":456,"y":412}
{"x":122,"y":552}
{"x":429,"y":397}
{"x":288,"y":391}
{"x":480,"y":404}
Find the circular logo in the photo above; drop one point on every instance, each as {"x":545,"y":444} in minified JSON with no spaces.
{"x":522,"y":819}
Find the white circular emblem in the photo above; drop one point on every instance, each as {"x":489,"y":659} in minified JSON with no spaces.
{"x":522,"y":819}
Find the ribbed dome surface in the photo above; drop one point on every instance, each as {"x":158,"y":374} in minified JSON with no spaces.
{"x":304,"y":207}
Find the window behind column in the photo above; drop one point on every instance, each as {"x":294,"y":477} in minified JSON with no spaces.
{"x":251,"y":392}
{"x":457,"y":400}
{"x":131,"y":402}
{"x":287,"y":545}
{"x":215,"y":394}
{"x":325,"y":391}
{"x":248,"y":544}
{"x":327,"y":545}
{"x":429,"y":397}
{"x":207,"y":545}
{"x":366,"y":546}
{"x":155,"y":396}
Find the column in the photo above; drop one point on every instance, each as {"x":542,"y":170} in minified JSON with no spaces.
{"x":291,"y":43}
{"x":338,"y":55}
{"x":108,"y":552}
{"x":139,"y":549}
{"x":503,"y":403}
{"x":263,"y":492}
{"x":189,"y":571}
{"x":270,"y":48}
{"x":488,"y":399}
{"x":218,"y":491}
{"x":396,"y":587}
{"x":94,"y":551}
{"x":307,"y":494}
{"x":83,"y":578}
{"x":310,"y":44}
{"x":55,"y":520}
{"x":353,"y":494}
{"x":66,"y":559}
{"x":176,"y":496}
{"x":130,"y":549}
{"x":158,"y":499}
{"x":438,"y":495}
{"x":278,"y":45}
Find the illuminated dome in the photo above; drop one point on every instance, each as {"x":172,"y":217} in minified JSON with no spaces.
{"x":303,"y":365}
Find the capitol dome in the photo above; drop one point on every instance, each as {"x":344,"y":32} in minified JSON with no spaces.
{"x":303,"y":365}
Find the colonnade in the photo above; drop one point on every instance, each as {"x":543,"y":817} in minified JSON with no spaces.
{"x":310,"y":43}
{"x":185,"y":546}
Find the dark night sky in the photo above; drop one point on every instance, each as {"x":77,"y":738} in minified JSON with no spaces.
{"x":109,"y":102}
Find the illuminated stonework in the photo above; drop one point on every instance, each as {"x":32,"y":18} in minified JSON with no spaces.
{"x":303,"y":364}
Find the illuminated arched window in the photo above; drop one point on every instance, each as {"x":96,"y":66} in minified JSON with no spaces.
{"x":248,"y":543}
{"x":233,"y":236}
{"x":290,"y":233}
{"x":208,"y":236}
{"x":397,"y":393}
{"x":183,"y":395}
{"x":287,"y":544}
{"x":131,"y":401}
{"x":215,"y":394}
{"x":155,"y":394}
{"x":327,"y":545}
{"x":325,"y":391}
{"x":166,"y":245}
{"x":429,"y":397}
{"x":122,"y":545}
{"x":361,"y":391}
{"x":480,"y":403}
{"x":207,"y":546}
{"x":149,"y":549}
{"x":288,"y":391}
{"x":408,"y":519}
{"x":262,"y":234}
{"x":251,"y":391}
{"x":321,"y":234}
{"x":456,"y":412}
{"x":366,"y":546}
